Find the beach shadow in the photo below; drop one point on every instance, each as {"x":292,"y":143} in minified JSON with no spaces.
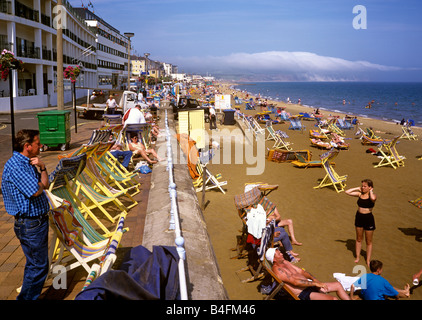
{"x":417,"y":233}
{"x":351,"y":245}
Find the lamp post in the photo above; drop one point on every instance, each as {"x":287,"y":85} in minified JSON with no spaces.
{"x":59,"y":45}
{"x":146,"y":69}
{"x":128,"y":35}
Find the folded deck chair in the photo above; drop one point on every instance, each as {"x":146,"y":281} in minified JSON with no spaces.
{"x":389,"y":155}
{"x":97,"y":198}
{"x":417,"y":202}
{"x":82,"y":252}
{"x":100,"y":181}
{"x":408,"y":133}
{"x":62,"y":184}
{"x":279,"y":285}
{"x":331,"y":177}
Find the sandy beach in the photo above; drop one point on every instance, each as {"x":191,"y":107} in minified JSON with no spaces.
{"x":324,"y":219}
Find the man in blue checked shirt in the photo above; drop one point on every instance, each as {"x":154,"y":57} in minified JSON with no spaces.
{"x":23,"y":183}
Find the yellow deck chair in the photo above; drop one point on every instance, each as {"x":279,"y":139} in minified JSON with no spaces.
{"x":101,"y":183}
{"x":408,"y":133}
{"x":62,"y":184}
{"x":389,"y":155}
{"x":280,"y":143}
{"x":331,"y":177}
{"x":334,"y":128}
{"x":98,"y":199}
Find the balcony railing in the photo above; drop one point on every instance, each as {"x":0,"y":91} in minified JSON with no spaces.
{"x":6,"y":6}
{"x":28,"y":52}
{"x":26,"y":12}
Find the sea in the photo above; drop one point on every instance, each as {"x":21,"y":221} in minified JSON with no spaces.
{"x":388,"y":101}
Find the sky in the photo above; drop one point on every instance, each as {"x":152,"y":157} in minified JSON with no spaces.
{"x":275,"y":40}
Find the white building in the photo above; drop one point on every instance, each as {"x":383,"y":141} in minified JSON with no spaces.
{"x":112,"y":51}
{"x":26,"y":28}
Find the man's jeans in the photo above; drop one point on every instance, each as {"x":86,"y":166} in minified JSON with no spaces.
{"x":33,"y":236}
{"x":127,"y":155}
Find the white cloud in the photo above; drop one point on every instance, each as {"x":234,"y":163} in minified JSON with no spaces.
{"x":284,"y":64}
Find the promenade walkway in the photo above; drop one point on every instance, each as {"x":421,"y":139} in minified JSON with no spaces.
{"x":148,"y":224}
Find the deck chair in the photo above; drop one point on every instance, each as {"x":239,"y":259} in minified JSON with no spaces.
{"x":96,"y":198}
{"x":344,"y":125}
{"x":257,"y":255}
{"x":331,"y":177}
{"x":367,"y":140}
{"x":318,"y":134}
{"x":302,"y":162}
{"x":256,"y":195}
{"x":332,"y":126}
{"x":371,"y":134}
{"x":280,"y":143}
{"x":280,"y":285}
{"x":92,"y":170}
{"x":296,"y":124}
{"x":69,"y":233}
{"x":417,"y":202}
{"x":206,"y":179}
{"x":306,"y":116}
{"x":62,"y":184}
{"x":389,"y":155}
{"x":408,"y":133}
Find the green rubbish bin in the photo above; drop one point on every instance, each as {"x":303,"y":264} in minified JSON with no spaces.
{"x":54,"y":127}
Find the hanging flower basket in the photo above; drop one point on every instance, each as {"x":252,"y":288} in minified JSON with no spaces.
{"x":8,"y":62}
{"x":71,"y":73}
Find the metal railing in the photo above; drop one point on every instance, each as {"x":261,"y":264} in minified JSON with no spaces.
{"x":174,"y":216}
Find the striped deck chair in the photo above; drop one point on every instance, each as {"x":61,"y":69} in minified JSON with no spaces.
{"x":295,"y":124}
{"x":97,"y":199}
{"x":417,"y":202}
{"x":100,"y":181}
{"x":62,"y":184}
{"x":72,"y":239}
{"x":245,"y":202}
{"x":279,"y":284}
{"x":367,"y":140}
{"x":408,"y":133}
{"x":389,"y":155}
{"x":302,"y":162}
{"x":331,"y":177}
{"x":211,"y":181}
{"x":332,"y":126}
{"x":280,"y":143}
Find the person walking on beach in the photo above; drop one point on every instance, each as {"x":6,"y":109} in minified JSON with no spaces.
{"x":23,"y":182}
{"x":364,"y":219}
{"x":213,"y":118}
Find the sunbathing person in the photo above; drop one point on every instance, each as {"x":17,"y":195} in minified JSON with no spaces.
{"x":301,"y":282}
{"x":139,"y":149}
{"x":283,"y":223}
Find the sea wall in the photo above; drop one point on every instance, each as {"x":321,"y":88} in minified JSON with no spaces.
{"x":203,"y":276}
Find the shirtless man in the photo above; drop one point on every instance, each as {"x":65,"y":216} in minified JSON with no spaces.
{"x":301,"y":282}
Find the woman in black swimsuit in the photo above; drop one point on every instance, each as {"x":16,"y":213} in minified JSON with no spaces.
{"x":364,"y":220}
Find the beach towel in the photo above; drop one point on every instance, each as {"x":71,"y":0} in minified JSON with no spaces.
{"x":346,"y":281}
{"x":256,"y":221}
